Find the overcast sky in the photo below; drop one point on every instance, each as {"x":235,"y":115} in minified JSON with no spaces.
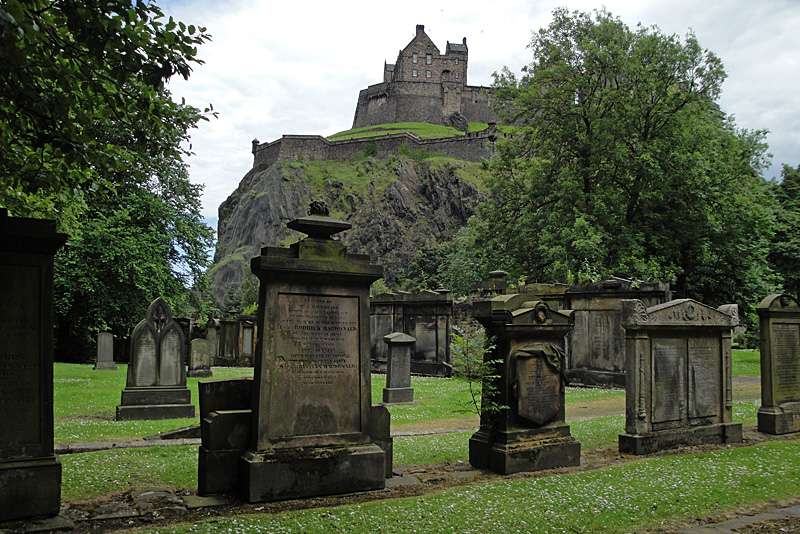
{"x":283,"y":67}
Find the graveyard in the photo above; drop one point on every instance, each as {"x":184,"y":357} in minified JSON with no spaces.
{"x":431,"y":436}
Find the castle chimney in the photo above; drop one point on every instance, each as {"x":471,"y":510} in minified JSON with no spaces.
{"x":420,"y":29}
{"x":255,"y":146}
{"x":464,"y":41}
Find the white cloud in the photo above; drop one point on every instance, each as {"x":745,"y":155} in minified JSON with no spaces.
{"x":297,"y":67}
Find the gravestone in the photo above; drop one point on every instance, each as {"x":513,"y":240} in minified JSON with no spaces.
{"x":526,"y":431}
{"x":398,"y":369}
{"x":247,"y":335}
{"x":779,"y":324}
{"x":597,"y":344}
{"x":30,"y":472}
{"x":313,"y":428}
{"x":156,"y":383}
{"x":426,"y":316}
{"x":199,"y":359}
{"x":679,"y":384}
{"x":212,"y":336}
{"x":105,"y":352}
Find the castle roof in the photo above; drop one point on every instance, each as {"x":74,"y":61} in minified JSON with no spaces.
{"x":456,"y":47}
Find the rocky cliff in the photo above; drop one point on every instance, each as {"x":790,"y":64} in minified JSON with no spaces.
{"x":396,"y":206}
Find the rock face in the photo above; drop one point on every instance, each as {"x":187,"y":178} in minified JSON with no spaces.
{"x":396,"y":207}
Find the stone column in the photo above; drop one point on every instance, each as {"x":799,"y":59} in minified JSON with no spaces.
{"x":398,"y":369}
{"x":30,"y":472}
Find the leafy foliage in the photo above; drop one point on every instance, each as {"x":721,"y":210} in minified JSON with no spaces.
{"x":622,"y":163}
{"x":72,"y":69}
{"x":469,"y":348}
{"x":784,"y":254}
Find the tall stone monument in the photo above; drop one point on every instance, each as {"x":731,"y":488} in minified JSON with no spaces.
{"x":679,"y":386}
{"x":156,"y":384}
{"x":779,"y":320}
{"x":30,"y":472}
{"x":526,"y":431}
{"x":313,"y":427}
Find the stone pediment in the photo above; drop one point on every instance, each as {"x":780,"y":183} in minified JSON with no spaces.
{"x":778,"y":303}
{"x":520,"y":309}
{"x":678,"y":313}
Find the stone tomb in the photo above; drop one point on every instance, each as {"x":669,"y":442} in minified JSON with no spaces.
{"x":596,"y":355}
{"x":779,"y":318}
{"x":398,"y":369}
{"x":678,"y":391}
{"x":426,"y":316}
{"x":105,"y":352}
{"x":30,"y":472}
{"x":156,"y":383}
{"x":313,"y":427}
{"x":527,"y":432}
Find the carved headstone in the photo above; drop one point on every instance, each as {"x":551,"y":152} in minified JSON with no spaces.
{"x":524,"y":428}
{"x":678,"y":389}
{"x":156,"y":383}
{"x":30,"y":472}
{"x":779,"y":318}
{"x":313,"y":424}
{"x":199,"y":359}
{"x":105,"y":352}
{"x":398,"y":369}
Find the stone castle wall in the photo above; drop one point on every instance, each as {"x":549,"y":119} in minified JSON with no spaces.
{"x":473,"y":146}
{"x":387,"y":103}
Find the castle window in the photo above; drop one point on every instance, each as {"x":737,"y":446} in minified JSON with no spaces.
{"x":427,"y":74}
{"x":415,"y":72}
{"x":413,"y":58}
{"x":456,"y":61}
{"x":456,"y":75}
{"x":428,"y":59}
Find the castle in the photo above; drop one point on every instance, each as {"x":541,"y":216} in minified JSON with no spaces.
{"x":424,"y":85}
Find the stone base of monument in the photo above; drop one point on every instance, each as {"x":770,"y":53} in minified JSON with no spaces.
{"x":783,"y":419}
{"x":199,"y":373}
{"x":593,"y":377}
{"x":105,"y":366}
{"x":146,"y":403}
{"x":398,"y":395}
{"x":527,"y":450}
{"x":311,"y":471}
{"x":680,"y":437}
{"x":30,"y":488}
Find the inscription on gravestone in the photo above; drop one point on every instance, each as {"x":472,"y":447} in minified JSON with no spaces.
{"x":704,"y":373}
{"x":669,"y":362}
{"x":317,"y":358}
{"x":19,"y":337}
{"x":786,"y":357}
{"x":539,"y":390}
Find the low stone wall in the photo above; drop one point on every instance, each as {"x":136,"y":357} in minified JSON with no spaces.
{"x":473,"y":146}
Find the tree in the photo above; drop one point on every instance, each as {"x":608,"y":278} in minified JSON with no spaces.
{"x":785,"y":250}
{"x":70,"y":68}
{"x":621,"y":162}
{"x":144,"y":240}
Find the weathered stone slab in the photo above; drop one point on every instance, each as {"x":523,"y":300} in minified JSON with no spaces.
{"x":105,"y":352}
{"x":398,"y":371}
{"x":678,"y":389}
{"x":779,"y":317}
{"x":199,"y":359}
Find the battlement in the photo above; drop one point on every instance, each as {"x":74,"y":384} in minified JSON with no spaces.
{"x":473,"y":146}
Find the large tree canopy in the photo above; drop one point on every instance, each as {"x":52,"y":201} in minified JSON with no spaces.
{"x":71,"y":69}
{"x":622,"y":163}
